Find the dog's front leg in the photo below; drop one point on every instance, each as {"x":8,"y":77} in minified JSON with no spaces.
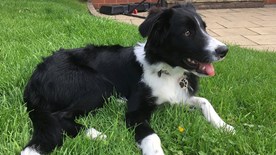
{"x":146,"y":139}
{"x":209,"y":112}
{"x":140,"y":108}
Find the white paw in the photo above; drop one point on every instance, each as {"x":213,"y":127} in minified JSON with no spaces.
{"x":94,"y":134}
{"x":229,"y":128}
{"x":151,"y":145}
{"x":29,"y":151}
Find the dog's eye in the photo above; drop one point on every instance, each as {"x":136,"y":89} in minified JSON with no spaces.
{"x":187,"y":33}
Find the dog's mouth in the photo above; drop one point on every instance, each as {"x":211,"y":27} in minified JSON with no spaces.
{"x":200,"y":67}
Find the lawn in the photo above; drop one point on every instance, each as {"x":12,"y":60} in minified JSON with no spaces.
{"x":243,"y":91}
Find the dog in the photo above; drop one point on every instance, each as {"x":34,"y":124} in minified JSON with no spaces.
{"x":165,"y":69}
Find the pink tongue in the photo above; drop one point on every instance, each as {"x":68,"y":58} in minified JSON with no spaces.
{"x":209,"y":69}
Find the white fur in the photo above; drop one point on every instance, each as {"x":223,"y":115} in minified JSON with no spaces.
{"x":212,"y":43}
{"x":140,"y":53}
{"x":151,"y":145}
{"x":94,"y":134}
{"x":29,"y":151}
{"x":166,"y":88}
{"x":91,"y":133}
{"x":209,"y":113}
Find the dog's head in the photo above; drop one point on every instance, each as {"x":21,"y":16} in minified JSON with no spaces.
{"x":178,"y":36}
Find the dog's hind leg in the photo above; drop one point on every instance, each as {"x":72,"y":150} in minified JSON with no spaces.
{"x":71,"y":128}
{"x":79,"y":108}
{"x":47,"y":133}
{"x":94,"y":134}
{"x":49,"y":127}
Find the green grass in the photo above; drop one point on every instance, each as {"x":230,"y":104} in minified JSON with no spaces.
{"x":242,"y":92}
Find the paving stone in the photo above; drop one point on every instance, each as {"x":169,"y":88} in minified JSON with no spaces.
{"x":211,"y":25}
{"x":217,"y":10}
{"x":264,"y":30}
{"x":234,"y":31}
{"x":123,"y":17}
{"x":126,"y":21}
{"x":268,"y":11}
{"x":266,"y":23}
{"x":213,"y":34}
{"x":215,"y":19}
{"x":137,"y":21}
{"x":239,"y":18}
{"x":250,"y":10}
{"x":240,"y":24}
{"x":239,"y":40}
{"x":263,"y":39}
{"x":265,"y":18}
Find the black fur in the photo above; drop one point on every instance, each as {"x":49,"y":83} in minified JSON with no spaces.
{"x":74,"y":82}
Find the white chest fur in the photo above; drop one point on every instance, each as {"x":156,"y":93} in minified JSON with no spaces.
{"x":166,"y":88}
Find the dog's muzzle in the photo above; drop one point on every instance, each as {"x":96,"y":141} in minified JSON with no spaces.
{"x":221,"y":51}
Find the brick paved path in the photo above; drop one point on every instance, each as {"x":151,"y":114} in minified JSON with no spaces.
{"x":252,"y":28}
{"x":248,"y":27}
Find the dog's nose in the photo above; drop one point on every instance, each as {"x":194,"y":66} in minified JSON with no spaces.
{"x":221,"y":51}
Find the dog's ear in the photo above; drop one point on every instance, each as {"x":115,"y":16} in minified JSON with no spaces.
{"x":147,"y":25}
{"x":160,"y":29}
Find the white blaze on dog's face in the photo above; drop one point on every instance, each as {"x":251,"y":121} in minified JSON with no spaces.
{"x":216,"y":48}
{"x":178,"y":37}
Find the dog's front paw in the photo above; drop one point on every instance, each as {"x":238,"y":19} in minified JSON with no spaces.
{"x":151,"y":145}
{"x":29,"y":151}
{"x":229,"y":128}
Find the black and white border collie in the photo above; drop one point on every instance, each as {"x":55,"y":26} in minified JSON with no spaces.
{"x":165,"y":69}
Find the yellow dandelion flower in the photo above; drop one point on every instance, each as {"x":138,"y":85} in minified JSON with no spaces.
{"x":181,"y":129}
